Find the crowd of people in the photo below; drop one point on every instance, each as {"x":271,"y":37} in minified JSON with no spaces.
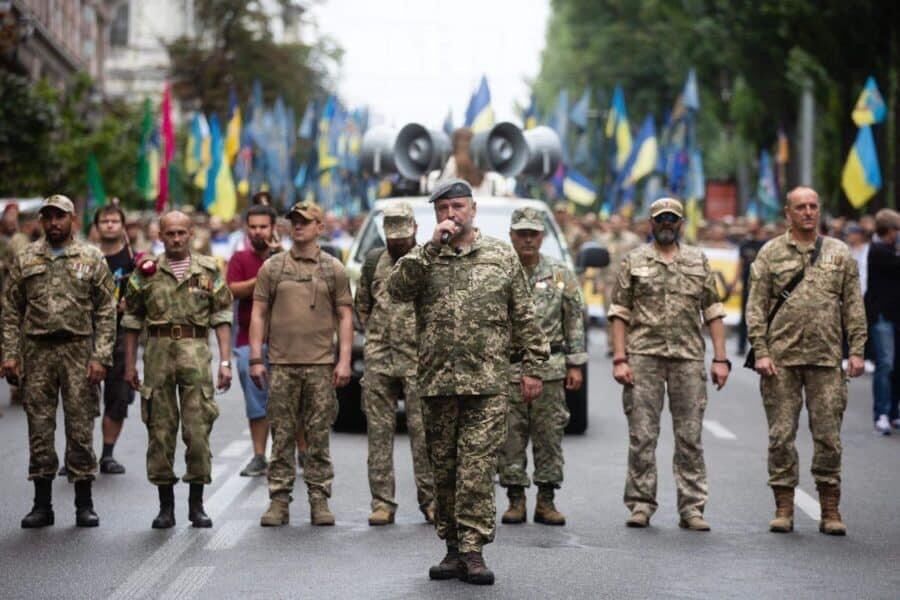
{"x":481,"y":338}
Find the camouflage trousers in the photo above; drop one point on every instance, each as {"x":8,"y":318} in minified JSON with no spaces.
{"x":177,"y":388}
{"x":685,"y":383}
{"x":380,"y":394}
{"x":826,"y":398}
{"x":464,"y":434}
{"x":301,"y":396}
{"x":543,"y":422}
{"x":52,"y":367}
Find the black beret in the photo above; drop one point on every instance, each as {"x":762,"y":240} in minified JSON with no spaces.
{"x":452,"y":188}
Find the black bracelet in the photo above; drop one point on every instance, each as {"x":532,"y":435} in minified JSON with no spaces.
{"x":723,"y":361}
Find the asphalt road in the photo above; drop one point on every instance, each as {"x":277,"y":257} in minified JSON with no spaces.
{"x":594,"y":556}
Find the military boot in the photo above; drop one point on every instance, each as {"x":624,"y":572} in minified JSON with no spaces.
{"x":381,"y":516}
{"x":196,"y":513}
{"x":515,"y":514}
{"x":166,"y":517}
{"x":84,"y":506}
{"x":829,"y":499}
{"x":319,"y":513}
{"x":428,"y":511}
{"x":41,"y":514}
{"x":278,"y":513}
{"x":450,"y":567}
{"x":545,"y":511}
{"x":784,"y":510}
{"x":475,"y":570}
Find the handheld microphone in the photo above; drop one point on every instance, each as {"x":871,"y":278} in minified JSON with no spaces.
{"x":445,"y":238}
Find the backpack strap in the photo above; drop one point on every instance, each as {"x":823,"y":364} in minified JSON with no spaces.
{"x":326,"y":272}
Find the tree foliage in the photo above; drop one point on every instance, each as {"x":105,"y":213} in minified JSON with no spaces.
{"x":234,"y":46}
{"x":752,"y":58}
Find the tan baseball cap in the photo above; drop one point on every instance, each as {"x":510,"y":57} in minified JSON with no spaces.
{"x":307,"y":210}
{"x":58,"y":201}
{"x":399,"y":221}
{"x":664,"y":205}
{"x":526,"y":218}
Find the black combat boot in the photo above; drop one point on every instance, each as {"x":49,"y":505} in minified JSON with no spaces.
{"x":84,"y":505}
{"x":166,"y":517}
{"x":196,"y":514}
{"x":41,"y":514}
{"x":450,"y":567}
{"x":475,"y":570}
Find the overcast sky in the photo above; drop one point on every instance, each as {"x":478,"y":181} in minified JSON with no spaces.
{"x":411,"y":60}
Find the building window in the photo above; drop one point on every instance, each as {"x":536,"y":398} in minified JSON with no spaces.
{"x":118,"y":30}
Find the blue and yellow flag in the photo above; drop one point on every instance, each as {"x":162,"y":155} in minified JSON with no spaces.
{"x":861,"y":177}
{"x":618,"y":129}
{"x":479,"y":114}
{"x":870,"y":108}
{"x":233,"y":129}
{"x":530,"y":116}
{"x":578,"y":188}
{"x":644,"y":154}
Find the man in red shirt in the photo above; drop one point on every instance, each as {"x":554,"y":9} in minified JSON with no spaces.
{"x":241,"y":279}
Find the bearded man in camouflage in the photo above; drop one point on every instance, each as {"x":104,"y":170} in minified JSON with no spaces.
{"x":391,"y":356}
{"x":559,"y":309}
{"x":798,"y":353}
{"x":59,"y":328}
{"x":179,"y":297}
{"x":662,"y":290}
{"x":473,"y":310}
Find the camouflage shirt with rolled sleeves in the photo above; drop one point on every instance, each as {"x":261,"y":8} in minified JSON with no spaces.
{"x":664,"y":304}
{"x":390,"y":325}
{"x":473,"y":310}
{"x":809,"y":327}
{"x":200,"y":299}
{"x":559,"y":307}
{"x":72,"y":293}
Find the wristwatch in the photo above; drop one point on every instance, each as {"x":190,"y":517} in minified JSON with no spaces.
{"x":225,"y":363}
{"x":724,"y":361}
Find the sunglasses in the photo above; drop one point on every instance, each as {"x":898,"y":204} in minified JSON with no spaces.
{"x":666,"y":217}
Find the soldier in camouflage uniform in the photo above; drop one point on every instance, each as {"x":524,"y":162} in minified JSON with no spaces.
{"x":662,"y":290}
{"x":179,"y":297}
{"x":799,"y":353}
{"x":560,"y":312}
{"x":473,"y":310}
{"x":391,"y":356}
{"x":59,"y":323}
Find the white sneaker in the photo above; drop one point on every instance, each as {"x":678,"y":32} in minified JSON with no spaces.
{"x":883,"y":425}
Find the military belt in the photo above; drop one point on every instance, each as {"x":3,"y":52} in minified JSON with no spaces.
{"x":517,"y":357}
{"x":177,"y":332}
{"x":57,"y":336}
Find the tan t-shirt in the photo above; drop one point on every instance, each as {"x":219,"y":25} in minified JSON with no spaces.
{"x":303,"y":319}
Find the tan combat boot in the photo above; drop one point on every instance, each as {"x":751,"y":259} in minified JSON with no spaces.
{"x":695,"y":523}
{"x":784,"y":510}
{"x":428,"y":512}
{"x":319,"y":513}
{"x":515,"y":514}
{"x":829,"y":499}
{"x":277,"y":515}
{"x":544,"y":511}
{"x":638,"y":519}
{"x":381,"y":516}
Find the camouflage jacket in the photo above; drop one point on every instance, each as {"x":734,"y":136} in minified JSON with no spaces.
{"x":67,"y":294}
{"x":809,"y":328}
{"x":559,"y":307}
{"x":390,"y":326}
{"x":663,"y":303}
{"x":473,"y":310}
{"x":201,"y":299}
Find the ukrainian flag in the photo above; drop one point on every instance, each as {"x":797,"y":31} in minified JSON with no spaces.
{"x":479,"y":114}
{"x":233,"y":129}
{"x":861,"y":177}
{"x":578,"y":188}
{"x":618,"y":129}
{"x":870,"y":108}
{"x":644,"y":154}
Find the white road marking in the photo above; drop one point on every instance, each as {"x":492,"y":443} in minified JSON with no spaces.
{"x":807,"y":504}
{"x":235,"y":449}
{"x":188,"y":583}
{"x":143,"y":579}
{"x":718,"y":430}
{"x":227,"y":535}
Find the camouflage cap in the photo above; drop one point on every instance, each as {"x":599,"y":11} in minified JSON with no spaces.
{"x":308,"y":210}
{"x":527,"y":218}
{"x":58,"y":201}
{"x":451,"y":188}
{"x":664,"y":205}
{"x":399,"y":221}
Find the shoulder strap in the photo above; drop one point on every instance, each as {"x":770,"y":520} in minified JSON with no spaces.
{"x":368,"y":268}
{"x":326,"y":268}
{"x":794,"y":282}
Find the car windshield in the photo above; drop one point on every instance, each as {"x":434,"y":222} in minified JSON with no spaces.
{"x":493,"y":221}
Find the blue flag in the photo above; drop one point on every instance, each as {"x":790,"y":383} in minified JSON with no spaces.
{"x":579,"y":112}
